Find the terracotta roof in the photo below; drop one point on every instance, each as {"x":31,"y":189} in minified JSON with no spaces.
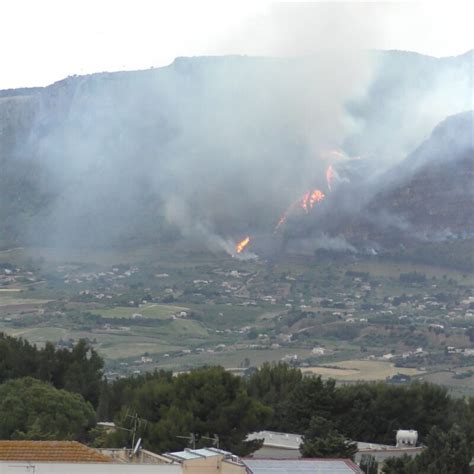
{"x":49,"y":451}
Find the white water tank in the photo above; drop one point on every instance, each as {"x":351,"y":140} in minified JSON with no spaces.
{"x":406,"y":438}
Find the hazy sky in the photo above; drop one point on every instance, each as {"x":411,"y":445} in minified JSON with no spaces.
{"x":45,"y":41}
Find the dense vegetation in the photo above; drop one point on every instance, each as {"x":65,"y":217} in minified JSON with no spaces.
{"x":78,"y":370}
{"x":31,"y":409}
{"x":210,"y":401}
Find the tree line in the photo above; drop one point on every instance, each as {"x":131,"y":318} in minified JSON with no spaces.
{"x":51,"y":393}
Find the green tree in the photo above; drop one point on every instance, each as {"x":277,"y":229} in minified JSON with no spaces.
{"x":78,"y":370}
{"x":83,"y":373}
{"x":368,"y":464}
{"x":31,"y":409}
{"x":206,"y":402}
{"x":322,"y":440}
{"x":274,"y":385}
{"x":446,"y":453}
{"x":401,"y":465}
{"x":312,"y":397}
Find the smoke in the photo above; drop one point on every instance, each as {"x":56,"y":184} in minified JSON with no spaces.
{"x":321,"y":241}
{"x":210,"y":149}
{"x":410,"y":95}
{"x":221,"y":144}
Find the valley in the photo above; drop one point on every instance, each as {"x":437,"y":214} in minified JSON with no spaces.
{"x":349,"y":318}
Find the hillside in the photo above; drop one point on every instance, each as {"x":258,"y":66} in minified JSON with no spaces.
{"x":210,"y":149}
{"x":432,"y":191}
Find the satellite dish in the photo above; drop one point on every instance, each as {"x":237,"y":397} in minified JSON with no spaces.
{"x":137,"y":446}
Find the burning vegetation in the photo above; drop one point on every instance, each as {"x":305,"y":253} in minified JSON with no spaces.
{"x":308,"y":200}
{"x":239,"y":248}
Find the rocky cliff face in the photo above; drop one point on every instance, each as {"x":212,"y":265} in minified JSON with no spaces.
{"x":432,"y":191}
{"x":17,"y":116}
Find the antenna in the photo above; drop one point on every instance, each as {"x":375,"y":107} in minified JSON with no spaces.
{"x":191,"y":438}
{"x":215,"y":440}
{"x":137,"y":423}
{"x":137,"y":447}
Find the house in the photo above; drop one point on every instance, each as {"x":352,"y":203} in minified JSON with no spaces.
{"x":71,"y":457}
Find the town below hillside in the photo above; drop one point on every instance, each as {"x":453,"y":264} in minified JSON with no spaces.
{"x":346,"y":318}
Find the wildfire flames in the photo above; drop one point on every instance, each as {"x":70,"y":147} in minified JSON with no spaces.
{"x":307,"y":201}
{"x":310,"y":198}
{"x":316,"y":196}
{"x":242,"y":244}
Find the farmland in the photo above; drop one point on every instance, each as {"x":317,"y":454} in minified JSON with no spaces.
{"x":349,"y":319}
{"x":366,"y":370}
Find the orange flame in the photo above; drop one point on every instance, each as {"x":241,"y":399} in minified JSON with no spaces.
{"x":310,"y":198}
{"x":329,"y":177}
{"x":242,"y":244}
{"x":316,"y":196}
{"x":306,"y":202}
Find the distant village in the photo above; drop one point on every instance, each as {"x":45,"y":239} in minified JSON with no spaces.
{"x":305,"y":322}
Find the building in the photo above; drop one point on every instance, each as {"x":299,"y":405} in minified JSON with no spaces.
{"x":277,"y":445}
{"x":286,"y":446}
{"x":292,"y":466}
{"x":207,"y":460}
{"x":380,"y":452}
{"x":71,"y":457}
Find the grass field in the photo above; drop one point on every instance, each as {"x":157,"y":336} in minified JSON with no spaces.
{"x":352,"y":370}
{"x":231,"y":316}
{"x":393,"y":269}
{"x":150,"y":311}
{"x":231,"y":359}
{"x":8,"y":300}
{"x":134,"y":347}
{"x":111,"y":345}
{"x":183,"y":330}
{"x":39,"y":335}
{"x":458,"y":387}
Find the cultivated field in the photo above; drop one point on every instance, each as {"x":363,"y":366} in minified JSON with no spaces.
{"x":353,"y":370}
{"x":151,"y":311}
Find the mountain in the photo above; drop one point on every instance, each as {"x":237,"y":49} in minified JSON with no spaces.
{"x":211,"y":149}
{"x":429,"y":196}
{"x":432,"y":191}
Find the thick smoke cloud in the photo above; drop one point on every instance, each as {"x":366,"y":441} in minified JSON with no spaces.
{"x":207,"y":146}
{"x":212,"y":149}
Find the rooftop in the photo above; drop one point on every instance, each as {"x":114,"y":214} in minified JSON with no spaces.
{"x":313,"y":466}
{"x":277,"y":440}
{"x":196,"y":454}
{"x":49,"y":451}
